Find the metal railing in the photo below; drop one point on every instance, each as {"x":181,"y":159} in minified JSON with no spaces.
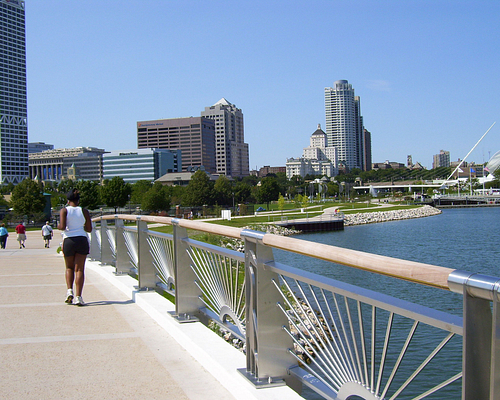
{"x":301,"y":328}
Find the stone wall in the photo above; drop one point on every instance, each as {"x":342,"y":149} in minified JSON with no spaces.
{"x":384,"y":216}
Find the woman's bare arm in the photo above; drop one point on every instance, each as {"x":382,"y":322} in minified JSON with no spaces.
{"x":88,"y":221}
{"x":62,"y":219}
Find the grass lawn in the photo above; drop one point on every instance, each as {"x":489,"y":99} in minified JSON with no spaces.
{"x":291,"y":213}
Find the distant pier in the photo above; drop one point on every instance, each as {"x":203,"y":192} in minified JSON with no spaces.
{"x":325,"y":222}
{"x":465,"y":201}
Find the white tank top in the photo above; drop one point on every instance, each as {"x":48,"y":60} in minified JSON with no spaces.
{"x":75,"y":220}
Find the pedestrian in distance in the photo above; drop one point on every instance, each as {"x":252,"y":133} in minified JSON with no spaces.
{"x":3,"y":236}
{"x":75,"y":223}
{"x":47,"y":234}
{"x":21,"y":234}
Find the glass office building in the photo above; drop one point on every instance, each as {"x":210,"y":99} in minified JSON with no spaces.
{"x":141,"y":164}
{"x":13,"y":104}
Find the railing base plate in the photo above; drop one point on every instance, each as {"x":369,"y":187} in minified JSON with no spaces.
{"x":259,"y":383}
{"x":183,"y":318}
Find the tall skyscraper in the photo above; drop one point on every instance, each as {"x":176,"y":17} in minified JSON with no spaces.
{"x":344,"y":125}
{"x":13,"y":104}
{"x":231,"y":150}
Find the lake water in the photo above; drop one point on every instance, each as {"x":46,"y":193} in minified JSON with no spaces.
{"x":466,"y":239}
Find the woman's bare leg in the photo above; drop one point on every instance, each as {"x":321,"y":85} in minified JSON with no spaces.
{"x":70,"y":271}
{"x":79,"y":273}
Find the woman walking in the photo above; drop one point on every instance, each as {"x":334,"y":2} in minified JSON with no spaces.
{"x":3,"y":236}
{"x":75,"y":223}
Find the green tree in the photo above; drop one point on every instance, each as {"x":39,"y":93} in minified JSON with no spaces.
{"x":176,"y":194}
{"x":242,"y":192}
{"x":115,"y":192}
{"x":304,"y":201}
{"x":268,"y":191}
{"x":250,"y":180}
{"x":65,"y":185}
{"x":223,"y":191}
{"x":27,"y":198}
{"x":156,"y":199}
{"x":139,"y":189}
{"x":90,"y":196}
{"x":7,"y":188}
{"x":199,"y":190}
{"x":281,"y":203}
{"x":333,"y":189}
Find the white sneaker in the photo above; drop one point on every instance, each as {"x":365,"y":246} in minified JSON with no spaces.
{"x":69,"y":296}
{"x":79,"y":301}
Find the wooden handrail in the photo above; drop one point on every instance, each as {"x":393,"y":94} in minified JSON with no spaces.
{"x":412,"y":271}
{"x":425,"y":274}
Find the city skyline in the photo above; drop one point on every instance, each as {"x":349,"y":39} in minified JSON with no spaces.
{"x":425,"y":71}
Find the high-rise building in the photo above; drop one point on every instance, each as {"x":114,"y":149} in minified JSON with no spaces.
{"x":344,"y":125}
{"x":441,"y":160}
{"x":231,"y":150}
{"x":194,"y":136}
{"x":13,"y":104}
{"x":367,"y":150}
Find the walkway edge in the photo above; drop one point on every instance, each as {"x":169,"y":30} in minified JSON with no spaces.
{"x":219,"y":358}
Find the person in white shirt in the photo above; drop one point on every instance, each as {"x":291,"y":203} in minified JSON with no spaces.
{"x":47,"y":234}
{"x":75,"y":223}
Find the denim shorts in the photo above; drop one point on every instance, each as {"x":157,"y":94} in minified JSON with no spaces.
{"x":75,"y":245}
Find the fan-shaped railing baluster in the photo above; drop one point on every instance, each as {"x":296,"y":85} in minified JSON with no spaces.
{"x":111,"y":235}
{"x":162,"y":251}
{"x":220,"y":279}
{"x":358,"y":353}
{"x":97,"y":236}
{"x":131,"y":244}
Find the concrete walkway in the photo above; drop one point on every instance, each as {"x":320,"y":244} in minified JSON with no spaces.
{"x":122,"y":345}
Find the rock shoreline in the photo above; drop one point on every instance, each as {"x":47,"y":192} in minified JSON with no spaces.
{"x":385,"y":216}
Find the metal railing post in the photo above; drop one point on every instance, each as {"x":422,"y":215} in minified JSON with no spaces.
{"x":122,"y":259}
{"x":95,"y":250}
{"x":106,"y":252}
{"x":481,"y":334}
{"x":268,"y":358}
{"x":187,"y":293}
{"x":146,"y":270}
{"x":495,"y":350}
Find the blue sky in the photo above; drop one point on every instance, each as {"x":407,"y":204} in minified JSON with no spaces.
{"x":427,"y":72}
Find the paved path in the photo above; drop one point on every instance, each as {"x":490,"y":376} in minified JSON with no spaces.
{"x":110,"y":349}
{"x":122,"y":345}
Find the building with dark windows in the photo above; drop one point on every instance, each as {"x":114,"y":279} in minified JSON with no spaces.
{"x":231,"y":150}
{"x":344,"y":126}
{"x":441,"y":160}
{"x":38,"y":147}
{"x":193,"y":136}
{"x":13,"y":104}
{"x":52,"y":165}
{"x":142,"y":164}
